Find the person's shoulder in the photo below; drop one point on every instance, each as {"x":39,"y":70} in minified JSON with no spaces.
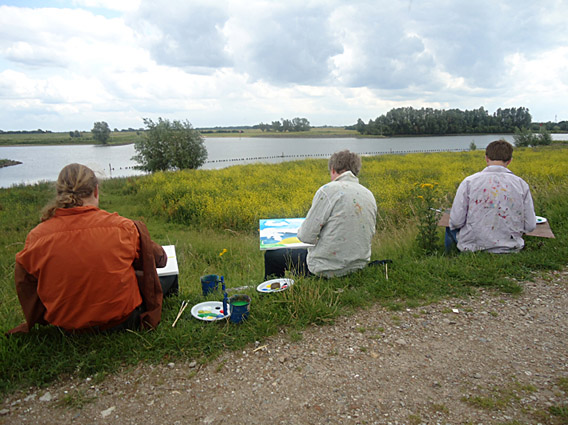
{"x":115,"y":219}
{"x":364,"y":189}
{"x":38,"y":231}
{"x":476,"y":175}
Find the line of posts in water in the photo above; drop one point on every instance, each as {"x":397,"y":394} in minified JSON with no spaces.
{"x":327,"y":155}
{"x":315,"y":155}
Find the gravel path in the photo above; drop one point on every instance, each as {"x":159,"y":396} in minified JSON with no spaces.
{"x":488,"y":359}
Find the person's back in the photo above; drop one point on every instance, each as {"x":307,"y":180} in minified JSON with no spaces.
{"x":340,"y":225}
{"x":493,"y":208}
{"x":83,"y":259}
{"x":77,"y":270}
{"x":344,"y":240}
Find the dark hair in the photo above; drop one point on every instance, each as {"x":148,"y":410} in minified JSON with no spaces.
{"x":499,"y":150}
{"x":345,"y":161}
{"x":75,"y":182}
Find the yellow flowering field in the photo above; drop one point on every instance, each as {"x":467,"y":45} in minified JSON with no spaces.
{"x":237,"y":197}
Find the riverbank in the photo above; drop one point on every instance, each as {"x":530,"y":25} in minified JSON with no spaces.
{"x":8,"y":162}
{"x":128,"y":137}
{"x":61,"y":139}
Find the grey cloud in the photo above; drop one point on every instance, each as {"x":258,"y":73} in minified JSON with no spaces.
{"x":395,"y":63}
{"x":183,"y":34}
{"x":291,"y":43}
{"x":392,"y":55}
{"x":472,"y":39}
{"x":293,"y":46}
{"x":408,"y":44}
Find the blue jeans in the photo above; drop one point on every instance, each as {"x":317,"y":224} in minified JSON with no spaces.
{"x":451,"y":239}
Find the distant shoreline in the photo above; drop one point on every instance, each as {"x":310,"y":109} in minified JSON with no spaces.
{"x":8,"y":162}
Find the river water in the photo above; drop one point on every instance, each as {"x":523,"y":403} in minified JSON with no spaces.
{"x":41,"y":163}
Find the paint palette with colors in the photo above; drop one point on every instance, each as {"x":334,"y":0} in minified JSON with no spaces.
{"x":275,"y":285}
{"x":210,"y":311}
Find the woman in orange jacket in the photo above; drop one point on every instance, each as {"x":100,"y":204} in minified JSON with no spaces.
{"x":84,"y":269}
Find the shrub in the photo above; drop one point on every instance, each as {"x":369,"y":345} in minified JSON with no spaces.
{"x":169,"y":146}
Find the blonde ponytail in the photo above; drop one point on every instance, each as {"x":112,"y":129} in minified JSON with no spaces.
{"x":74,"y":183}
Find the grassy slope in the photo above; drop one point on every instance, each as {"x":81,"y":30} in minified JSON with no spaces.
{"x":414,"y":279}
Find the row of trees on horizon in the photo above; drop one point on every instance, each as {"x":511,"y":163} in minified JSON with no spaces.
{"x":398,"y":121}
{"x":429,"y":121}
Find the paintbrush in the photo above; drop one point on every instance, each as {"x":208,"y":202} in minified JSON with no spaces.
{"x":184,"y":304}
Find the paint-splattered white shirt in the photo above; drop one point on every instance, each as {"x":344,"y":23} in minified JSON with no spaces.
{"x":492,"y":210}
{"x":341,"y":223}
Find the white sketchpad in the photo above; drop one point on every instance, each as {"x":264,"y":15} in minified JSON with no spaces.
{"x":171,"y":268}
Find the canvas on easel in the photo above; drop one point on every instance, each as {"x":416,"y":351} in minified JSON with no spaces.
{"x":278,"y":233}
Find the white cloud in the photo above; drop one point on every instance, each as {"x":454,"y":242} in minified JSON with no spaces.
{"x":242,"y":62}
{"x":120,"y":5}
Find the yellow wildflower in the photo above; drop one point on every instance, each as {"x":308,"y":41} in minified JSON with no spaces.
{"x":223,"y":252}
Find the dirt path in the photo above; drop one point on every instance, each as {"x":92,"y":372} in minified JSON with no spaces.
{"x":489,"y":359}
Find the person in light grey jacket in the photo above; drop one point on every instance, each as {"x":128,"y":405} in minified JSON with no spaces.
{"x":340,"y":225}
{"x":492,"y":208}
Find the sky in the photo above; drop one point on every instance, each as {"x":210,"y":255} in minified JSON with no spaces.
{"x":66,"y":64}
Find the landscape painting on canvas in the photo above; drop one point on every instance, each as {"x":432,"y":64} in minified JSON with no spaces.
{"x":280,"y":233}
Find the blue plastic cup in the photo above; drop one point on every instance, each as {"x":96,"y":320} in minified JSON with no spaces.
{"x":240,"y":308}
{"x":209,"y":283}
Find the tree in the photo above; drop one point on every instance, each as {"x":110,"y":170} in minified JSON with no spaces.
{"x":286,"y":125}
{"x":524,"y":137}
{"x":166,"y":145}
{"x":101,"y":132}
{"x":545,"y":137}
{"x":300,"y":124}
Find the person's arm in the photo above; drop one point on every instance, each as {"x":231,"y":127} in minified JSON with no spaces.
{"x":530,"y":216}
{"x":34,"y":310}
{"x":316,"y":218}
{"x":458,"y":213}
{"x":148,"y":280}
{"x":160,"y":255}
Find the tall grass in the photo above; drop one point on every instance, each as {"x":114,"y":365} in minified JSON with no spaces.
{"x":203,"y":212}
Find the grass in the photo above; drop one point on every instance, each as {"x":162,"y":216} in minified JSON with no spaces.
{"x":414,"y":279}
{"x":509,"y":396}
{"x":499,"y":398}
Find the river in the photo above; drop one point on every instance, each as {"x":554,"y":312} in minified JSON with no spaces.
{"x":41,"y":163}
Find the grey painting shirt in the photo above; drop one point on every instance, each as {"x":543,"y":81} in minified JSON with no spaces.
{"x":492,"y":209}
{"x":341,"y":223}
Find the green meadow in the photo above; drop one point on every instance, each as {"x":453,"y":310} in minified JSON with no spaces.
{"x":126,"y":137}
{"x":63,"y":138}
{"x":203,"y":212}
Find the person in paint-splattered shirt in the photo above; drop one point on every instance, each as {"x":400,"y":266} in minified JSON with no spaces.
{"x":340,"y":224}
{"x":492,"y":208}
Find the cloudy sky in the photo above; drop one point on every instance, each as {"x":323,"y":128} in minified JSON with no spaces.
{"x":65,"y":64}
